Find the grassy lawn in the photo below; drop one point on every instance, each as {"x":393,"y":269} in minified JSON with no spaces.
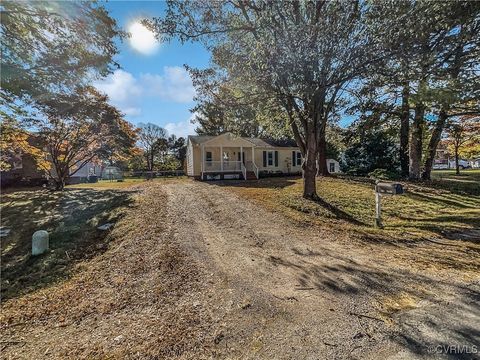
{"x":71,"y":217}
{"x":126,"y":183}
{"x":447,"y":207}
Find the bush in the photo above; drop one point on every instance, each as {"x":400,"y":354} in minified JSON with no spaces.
{"x":384,"y":174}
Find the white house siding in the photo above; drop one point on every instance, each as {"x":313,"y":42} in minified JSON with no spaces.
{"x":190,"y":171}
{"x":284,"y":159}
{"x":334,"y":165}
{"x":231,"y":145}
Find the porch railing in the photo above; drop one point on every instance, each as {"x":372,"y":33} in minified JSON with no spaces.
{"x":216,"y":166}
{"x":255,"y":170}
{"x":244,"y":171}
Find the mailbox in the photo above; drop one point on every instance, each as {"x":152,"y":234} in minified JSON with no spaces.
{"x":389,"y":188}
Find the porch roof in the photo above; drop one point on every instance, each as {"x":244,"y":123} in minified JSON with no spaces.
{"x":257,"y":142}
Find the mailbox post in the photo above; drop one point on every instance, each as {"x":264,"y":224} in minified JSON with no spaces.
{"x":384,"y":188}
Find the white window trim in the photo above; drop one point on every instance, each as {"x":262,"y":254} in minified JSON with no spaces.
{"x":273,"y":158}
{"x":298,"y":155}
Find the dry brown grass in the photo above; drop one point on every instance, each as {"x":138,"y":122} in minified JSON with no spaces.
{"x":432,"y":229}
{"x":135,"y":300}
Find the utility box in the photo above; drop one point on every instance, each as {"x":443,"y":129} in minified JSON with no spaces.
{"x":384,"y":188}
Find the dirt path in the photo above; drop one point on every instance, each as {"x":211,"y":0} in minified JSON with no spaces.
{"x":193,"y":271}
{"x":293,"y":292}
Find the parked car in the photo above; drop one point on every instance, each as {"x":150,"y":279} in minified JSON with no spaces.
{"x":440,"y":166}
{"x":462,"y":164}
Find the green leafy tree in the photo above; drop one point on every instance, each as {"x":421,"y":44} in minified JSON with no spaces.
{"x":301,"y":55}
{"x":52,"y":46}
{"x":370,"y":145}
{"x":178,"y":148}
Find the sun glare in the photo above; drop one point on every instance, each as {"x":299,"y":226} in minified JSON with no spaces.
{"x":142,"y":39}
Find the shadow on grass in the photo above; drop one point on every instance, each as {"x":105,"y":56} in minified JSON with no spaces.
{"x":438,"y":200}
{"x":71,"y":217}
{"x":274,"y":182}
{"x":404,"y":296}
{"x":339,"y":213}
{"x":460,"y":188}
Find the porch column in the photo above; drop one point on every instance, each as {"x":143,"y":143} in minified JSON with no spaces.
{"x":253,"y":155}
{"x":241,"y":155}
{"x":221,"y":157}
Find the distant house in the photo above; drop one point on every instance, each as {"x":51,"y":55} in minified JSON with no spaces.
{"x":82,"y":174}
{"x":24,"y":171}
{"x":227,"y":156}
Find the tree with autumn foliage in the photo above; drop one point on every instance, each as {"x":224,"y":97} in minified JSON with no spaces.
{"x":51,"y":52}
{"x":14,"y":142}
{"x":79,"y":128}
{"x":464,"y":138}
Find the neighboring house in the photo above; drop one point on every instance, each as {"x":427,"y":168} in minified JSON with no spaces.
{"x":24,"y":171}
{"x":228,"y":156}
{"x":82,"y":175}
{"x":475,"y":163}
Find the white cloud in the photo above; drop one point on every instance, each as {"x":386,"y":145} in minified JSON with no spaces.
{"x":123,"y":91}
{"x":132,"y":111}
{"x":126,"y":92}
{"x":120,"y":86}
{"x":181,"y":128}
{"x":174,"y":85}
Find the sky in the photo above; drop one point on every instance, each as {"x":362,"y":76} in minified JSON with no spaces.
{"x":152,"y":84}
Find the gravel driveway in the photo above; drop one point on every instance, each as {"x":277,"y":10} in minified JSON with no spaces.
{"x":290,"y":291}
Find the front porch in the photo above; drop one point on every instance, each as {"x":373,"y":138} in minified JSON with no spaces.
{"x":228,"y":162}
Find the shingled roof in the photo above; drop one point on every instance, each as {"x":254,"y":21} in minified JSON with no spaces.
{"x":259,"y":142}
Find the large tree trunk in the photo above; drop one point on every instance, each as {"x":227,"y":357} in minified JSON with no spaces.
{"x":457,"y":166}
{"x":310,"y":167}
{"x":60,"y":179}
{"x":415,"y":153}
{"x":404,"y":130}
{"x":322,"y":155}
{"x":433,"y":144}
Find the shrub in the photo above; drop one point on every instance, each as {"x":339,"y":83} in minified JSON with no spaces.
{"x":384,"y":174}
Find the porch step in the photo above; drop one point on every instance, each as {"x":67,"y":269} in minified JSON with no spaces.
{"x":251,"y":175}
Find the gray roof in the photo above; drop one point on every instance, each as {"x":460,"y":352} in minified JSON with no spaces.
{"x":200,"y":139}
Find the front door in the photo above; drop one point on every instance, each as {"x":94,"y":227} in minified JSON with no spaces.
{"x":240,"y":157}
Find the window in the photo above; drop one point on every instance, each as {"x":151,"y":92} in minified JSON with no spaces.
{"x":332,"y":167}
{"x":270,"y":158}
{"x":299,"y":158}
{"x":208,"y":156}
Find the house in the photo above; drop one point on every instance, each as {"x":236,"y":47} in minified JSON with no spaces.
{"x":227,"y":156}
{"x":24,"y":171}
{"x":81,"y":175}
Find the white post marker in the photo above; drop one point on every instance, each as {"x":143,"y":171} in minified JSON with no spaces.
{"x":40,"y":242}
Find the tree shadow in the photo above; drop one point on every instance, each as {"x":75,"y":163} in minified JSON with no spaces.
{"x":339,"y":213}
{"x":274,"y":182}
{"x":71,"y":217}
{"x":446,"y":319}
{"x":438,"y":200}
